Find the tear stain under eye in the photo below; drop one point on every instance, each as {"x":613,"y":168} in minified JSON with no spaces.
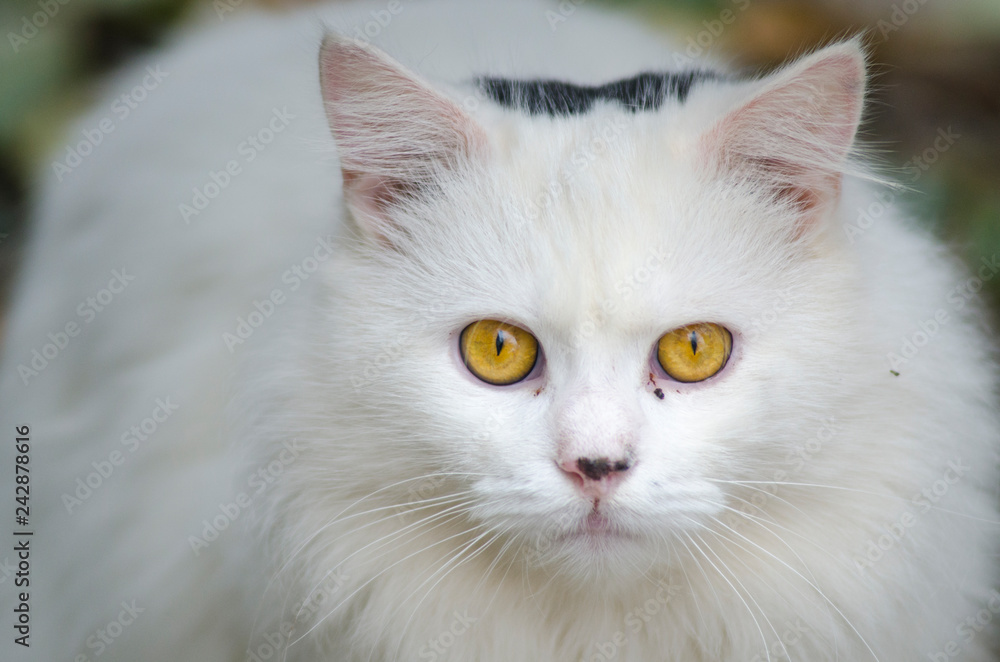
{"x":658,"y":392}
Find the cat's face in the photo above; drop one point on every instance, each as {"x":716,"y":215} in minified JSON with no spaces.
{"x":589,"y":332}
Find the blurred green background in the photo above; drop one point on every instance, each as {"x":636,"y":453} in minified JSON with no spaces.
{"x":937,"y":68}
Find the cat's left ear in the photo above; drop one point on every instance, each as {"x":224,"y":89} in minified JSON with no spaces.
{"x":395,"y":134}
{"x":795,"y":134}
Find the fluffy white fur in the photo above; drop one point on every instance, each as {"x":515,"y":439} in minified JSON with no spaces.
{"x":418,"y":513}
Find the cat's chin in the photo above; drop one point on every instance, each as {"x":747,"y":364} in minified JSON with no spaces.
{"x":598,"y":527}
{"x":599,"y":531}
{"x":598,"y":536}
{"x":596,"y":546}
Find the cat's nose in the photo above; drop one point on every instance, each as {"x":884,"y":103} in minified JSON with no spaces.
{"x":596,"y":478}
{"x":596,"y":440}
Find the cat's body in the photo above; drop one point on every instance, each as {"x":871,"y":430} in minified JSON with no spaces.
{"x":354,"y":417}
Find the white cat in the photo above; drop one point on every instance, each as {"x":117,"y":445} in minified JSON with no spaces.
{"x":589,"y":372}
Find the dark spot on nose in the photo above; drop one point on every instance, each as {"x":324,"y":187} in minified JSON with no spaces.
{"x":601,"y":467}
{"x":659,"y":393}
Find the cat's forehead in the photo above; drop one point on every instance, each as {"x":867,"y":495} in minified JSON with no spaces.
{"x":602,"y":214}
{"x":606,"y":187}
{"x":606,"y":237}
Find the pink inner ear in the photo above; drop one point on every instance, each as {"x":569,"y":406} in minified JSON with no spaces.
{"x":795,"y":135}
{"x":370,"y":196}
{"x":393,"y":131}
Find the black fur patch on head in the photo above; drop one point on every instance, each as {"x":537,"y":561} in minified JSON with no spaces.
{"x":645,"y":91}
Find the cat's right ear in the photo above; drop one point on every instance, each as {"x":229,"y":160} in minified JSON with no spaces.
{"x":795,"y":135}
{"x":394,"y":133}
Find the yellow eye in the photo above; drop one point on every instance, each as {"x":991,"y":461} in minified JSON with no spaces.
{"x":498,"y":353}
{"x":694,"y":352}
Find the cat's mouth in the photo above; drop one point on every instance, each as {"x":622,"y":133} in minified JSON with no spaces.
{"x":597,"y":523}
{"x":598,"y":526}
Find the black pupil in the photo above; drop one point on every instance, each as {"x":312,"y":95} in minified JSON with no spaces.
{"x":500,"y":335}
{"x":694,"y":342}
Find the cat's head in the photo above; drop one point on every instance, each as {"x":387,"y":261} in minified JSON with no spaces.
{"x":575,"y":330}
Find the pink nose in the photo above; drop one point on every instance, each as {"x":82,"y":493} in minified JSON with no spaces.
{"x":597,"y":477}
